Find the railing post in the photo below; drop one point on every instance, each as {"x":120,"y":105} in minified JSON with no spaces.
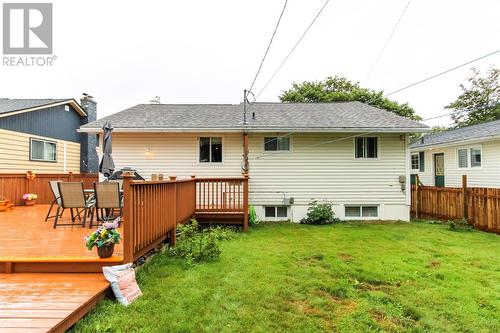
{"x":417,"y":199}
{"x":193,"y":179}
{"x":465,"y":213}
{"x":245,"y":203}
{"x":174,"y":230}
{"x":128,"y":200}
{"x":70,"y":178}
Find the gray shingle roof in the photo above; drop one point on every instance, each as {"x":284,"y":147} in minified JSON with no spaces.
{"x":10,"y":105}
{"x":340,"y":115}
{"x":480,"y":131}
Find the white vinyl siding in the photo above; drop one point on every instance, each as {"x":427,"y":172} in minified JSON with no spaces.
{"x":176,"y":154}
{"x":486,"y":175}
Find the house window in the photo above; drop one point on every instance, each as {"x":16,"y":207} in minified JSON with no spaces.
{"x":475,"y":157}
{"x":462,"y":158}
{"x":414,"y":162}
{"x":366,"y":147}
{"x":276,"y":143}
{"x":276,"y":211}
{"x":361,"y":211}
{"x":41,"y":150}
{"x":469,"y":157}
{"x":421,"y":160}
{"x":211,"y":150}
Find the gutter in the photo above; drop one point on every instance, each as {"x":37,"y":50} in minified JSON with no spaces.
{"x":260,"y":130}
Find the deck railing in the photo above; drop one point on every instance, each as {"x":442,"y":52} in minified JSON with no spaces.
{"x":152,"y":209}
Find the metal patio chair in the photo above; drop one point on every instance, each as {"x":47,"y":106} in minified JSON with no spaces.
{"x":57,"y":198}
{"x":73,"y":198}
{"x":107,"y":199}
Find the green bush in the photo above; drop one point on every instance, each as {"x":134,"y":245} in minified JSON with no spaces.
{"x":459,"y":225}
{"x":319,"y":213}
{"x":196,"y":244}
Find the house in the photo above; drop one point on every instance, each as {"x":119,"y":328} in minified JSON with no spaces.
{"x":441,"y":159}
{"x":41,"y":135}
{"x":349,"y":153}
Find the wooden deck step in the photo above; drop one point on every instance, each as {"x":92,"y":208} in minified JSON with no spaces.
{"x":42,"y":302}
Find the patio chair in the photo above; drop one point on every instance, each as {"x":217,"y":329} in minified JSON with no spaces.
{"x":73,"y":197}
{"x":57,"y":200}
{"x":107,"y":198}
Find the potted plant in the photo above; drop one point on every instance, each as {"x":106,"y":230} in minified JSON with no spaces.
{"x":29,"y":199}
{"x":104,"y":238}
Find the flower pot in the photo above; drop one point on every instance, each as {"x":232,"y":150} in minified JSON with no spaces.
{"x":29,"y":202}
{"x":106,"y":251}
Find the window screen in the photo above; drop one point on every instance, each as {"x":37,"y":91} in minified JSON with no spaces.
{"x":276,"y":143}
{"x":366,"y":147}
{"x":462,"y":158}
{"x":43,"y":150}
{"x":352,"y":211}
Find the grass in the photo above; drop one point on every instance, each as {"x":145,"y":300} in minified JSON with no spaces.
{"x":353,"y":277}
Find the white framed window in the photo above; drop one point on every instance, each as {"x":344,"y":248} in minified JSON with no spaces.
{"x":415,"y":162}
{"x":361,"y":211}
{"x":366,"y":147}
{"x":276,"y":211}
{"x":210,"y":150}
{"x":276,"y":143}
{"x":43,"y":150}
{"x":469,"y":157}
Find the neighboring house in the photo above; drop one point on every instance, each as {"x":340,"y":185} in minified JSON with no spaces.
{"x":41,"y":135}
{"x":441,"y":159}
{"x":351,"y":154}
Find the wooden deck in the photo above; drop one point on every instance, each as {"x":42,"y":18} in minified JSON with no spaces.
{"x":47,"y":302}
{"x":29,"y":244}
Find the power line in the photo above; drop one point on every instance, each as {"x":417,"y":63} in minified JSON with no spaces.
{"x":388,"y":40}
{"x":441,"y":73}
{"x":269,"y":45}
{"x":293,"y":48}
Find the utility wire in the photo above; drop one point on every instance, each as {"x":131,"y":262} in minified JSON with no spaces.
{"x":268,"y":46}
{"x":441,"y":73}
{"x":293,"y":48}
{"x":388,"y":40}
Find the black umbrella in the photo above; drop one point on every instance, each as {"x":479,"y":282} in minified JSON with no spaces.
{"x":107,"y":166}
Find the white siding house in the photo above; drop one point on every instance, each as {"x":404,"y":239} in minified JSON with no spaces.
{"x":473,"y":151}
{"x":362,"y":170}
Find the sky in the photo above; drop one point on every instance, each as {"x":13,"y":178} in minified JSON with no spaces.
{"x":125,"y":52}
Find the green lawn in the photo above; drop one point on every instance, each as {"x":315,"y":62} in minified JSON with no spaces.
{"x":353,"y":277}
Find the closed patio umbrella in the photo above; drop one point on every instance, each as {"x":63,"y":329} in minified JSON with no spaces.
{"x":107,"y":166}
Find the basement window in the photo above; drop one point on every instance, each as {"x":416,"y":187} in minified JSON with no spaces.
{"x":361,"y":211}
{"x":276,"y":211}
{"x":210,"y":150}
{"x":276,"y":143}
{"x":42,"y":150}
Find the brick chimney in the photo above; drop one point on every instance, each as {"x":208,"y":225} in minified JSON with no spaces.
{"x":88,"y":142}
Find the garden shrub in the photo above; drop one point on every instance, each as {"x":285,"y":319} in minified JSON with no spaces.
{"x":459,"y":225}
{"x":196,"y":244}
{"x":319,"y":213}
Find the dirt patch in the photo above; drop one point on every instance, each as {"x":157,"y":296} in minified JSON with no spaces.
{"x":345,"y":256}
{"x":382,"y":320}
{"x":434,"y":264}
{"x":304,"y":307}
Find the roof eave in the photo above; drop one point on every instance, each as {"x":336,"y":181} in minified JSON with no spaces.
{"x":72,"y":102}
{"x":456,"y":143}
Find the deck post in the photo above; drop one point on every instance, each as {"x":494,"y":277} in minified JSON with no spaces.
{"x":128,"y":200}
{"x":245,"y":203}
{"x":465,"y":213}
{"x":173,"y":232}
{"x":417,"y":194}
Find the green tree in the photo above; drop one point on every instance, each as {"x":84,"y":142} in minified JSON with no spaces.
{"x":339,"y":89}
{"x":479,"y":101}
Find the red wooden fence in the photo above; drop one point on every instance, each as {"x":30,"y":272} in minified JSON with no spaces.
{"x":14,"y":185}
{"x":480,"y":206}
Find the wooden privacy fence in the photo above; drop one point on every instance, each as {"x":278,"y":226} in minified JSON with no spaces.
{"x":479,"y":206}
{"x":14,"y":185}
{"x":152,"y":209}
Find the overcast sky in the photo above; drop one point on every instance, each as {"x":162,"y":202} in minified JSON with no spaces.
{"x":125,"y":52}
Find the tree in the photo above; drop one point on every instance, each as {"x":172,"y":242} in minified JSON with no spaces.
{"x":480,"y":101}
{"x":339,"y":89}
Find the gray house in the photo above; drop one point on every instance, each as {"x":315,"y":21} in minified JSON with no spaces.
{"x":41,"y":135}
